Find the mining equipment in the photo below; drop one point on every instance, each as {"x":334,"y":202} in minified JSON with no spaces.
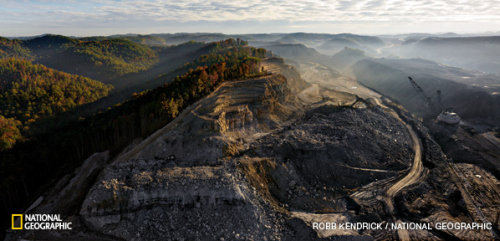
{"x":447,"y":115}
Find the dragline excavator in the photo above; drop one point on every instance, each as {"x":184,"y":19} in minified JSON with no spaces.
{"x":446,"y":116}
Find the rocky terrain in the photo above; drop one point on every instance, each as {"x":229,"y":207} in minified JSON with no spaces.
{"x":314,"y":155}
{"x":264,"y":158}
{"x":295,"y":82}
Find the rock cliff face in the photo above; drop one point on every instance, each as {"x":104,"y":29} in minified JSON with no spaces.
{"x":294,"y":80}
{"x":146,"y":200}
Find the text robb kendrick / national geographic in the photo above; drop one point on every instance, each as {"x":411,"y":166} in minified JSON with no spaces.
{"x":400,"y":225}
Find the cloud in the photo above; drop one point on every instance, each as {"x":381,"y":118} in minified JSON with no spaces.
{"x":106,"y":13}
{"x":217,"y":10}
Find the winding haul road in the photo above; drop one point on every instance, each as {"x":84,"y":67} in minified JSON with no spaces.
{"x":413,"y":176}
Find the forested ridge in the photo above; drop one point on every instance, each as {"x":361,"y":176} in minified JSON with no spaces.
{"x":32,"y":164}
{"x":14,"y":49}
{"x":112,"y":57}
{"x":102,"y":60}
{"x":140,"y":39}
{"x":146,"y":40}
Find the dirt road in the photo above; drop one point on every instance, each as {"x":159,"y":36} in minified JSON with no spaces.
{"x":413,"y":176}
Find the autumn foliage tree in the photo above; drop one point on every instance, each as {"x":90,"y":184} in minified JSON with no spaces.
{"x":9,"y":132}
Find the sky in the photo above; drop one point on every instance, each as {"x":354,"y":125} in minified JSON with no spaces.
{"x":108,"y":17}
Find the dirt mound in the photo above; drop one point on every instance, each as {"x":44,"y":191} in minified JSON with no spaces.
{"x":312,"y":158}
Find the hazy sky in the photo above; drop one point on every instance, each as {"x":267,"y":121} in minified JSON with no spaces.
{"x":106,"y":17}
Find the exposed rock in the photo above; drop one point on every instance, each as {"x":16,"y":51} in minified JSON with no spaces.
{"x":67,"y":196}
{"x":200,"y":188}
{"x":294,"y":80}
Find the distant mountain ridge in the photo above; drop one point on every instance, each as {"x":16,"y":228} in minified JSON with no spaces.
{"x":480,"y":53}
{"x":340,"y":41}
{"x":346,"y":57}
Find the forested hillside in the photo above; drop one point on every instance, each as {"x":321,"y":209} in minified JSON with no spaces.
{"x":51,"y":155}
{"x":98,"y":59}
{"x":146,"y":40}
{"x":122,"y":61}
{"x":13,"y":49}
{"x":30,"y":92}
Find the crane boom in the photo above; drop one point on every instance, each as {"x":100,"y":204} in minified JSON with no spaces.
{"x":424,"y":97}
{"x":440,"y":101}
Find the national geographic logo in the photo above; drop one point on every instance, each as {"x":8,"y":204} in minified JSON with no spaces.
{"x":19,"y":224}
{"x":39,"y":222}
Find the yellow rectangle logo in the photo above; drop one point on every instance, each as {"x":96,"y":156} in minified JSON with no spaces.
{"x":14,"y":227}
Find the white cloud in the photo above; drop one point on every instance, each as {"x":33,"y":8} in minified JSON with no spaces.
{"x":106,"y":13}
{"x":307,"y":10}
